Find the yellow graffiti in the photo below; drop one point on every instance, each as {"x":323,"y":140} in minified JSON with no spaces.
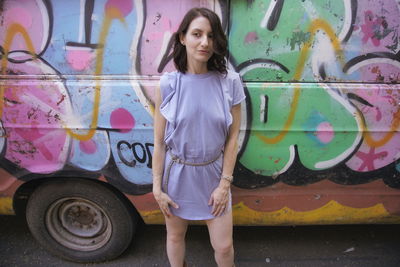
{"x":377,"y":143}
{"x":152,"y":217}
{"x":115,"y":13}
{"x":6,"y":206}
{"x":331,"y":213}
{"x":110,"y":15}
{"x":12,"y":31}
{"x":15,"y":28}
{"x":316,"y":25}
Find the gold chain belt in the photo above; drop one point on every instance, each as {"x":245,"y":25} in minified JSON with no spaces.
{"x":176,"y":159}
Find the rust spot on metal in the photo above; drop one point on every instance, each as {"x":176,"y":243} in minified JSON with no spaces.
{"x":61,"y":100}
{"x":49,"y":115}
{"x":32,"y":113}
{"x":57,"y":117}
{"x":11,"y":101}
{"x":23,"y":147}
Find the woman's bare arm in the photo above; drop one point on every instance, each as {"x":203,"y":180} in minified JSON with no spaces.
{"x":219,"y":198}
{"x":158,"y":158}
{"x":159,"y":145}
{"x":231,"y":146}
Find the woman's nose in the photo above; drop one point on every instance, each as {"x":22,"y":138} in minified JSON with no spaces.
{"x":204,"y":41}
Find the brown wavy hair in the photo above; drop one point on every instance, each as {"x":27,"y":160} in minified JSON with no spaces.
{"x":217,"y":61}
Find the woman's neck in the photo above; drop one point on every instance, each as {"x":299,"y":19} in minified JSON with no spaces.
{"x":197,"y":69}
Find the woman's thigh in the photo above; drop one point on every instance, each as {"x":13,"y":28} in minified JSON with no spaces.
{"x":220,"y":230}
{"x":176,"y":226}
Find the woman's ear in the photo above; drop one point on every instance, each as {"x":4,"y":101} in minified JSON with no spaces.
{"x":182,"y":39}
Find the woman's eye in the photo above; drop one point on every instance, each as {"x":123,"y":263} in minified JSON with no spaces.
{"x":196,"y":34}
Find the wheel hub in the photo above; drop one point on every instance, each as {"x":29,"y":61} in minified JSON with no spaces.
{"x":78,"y":224}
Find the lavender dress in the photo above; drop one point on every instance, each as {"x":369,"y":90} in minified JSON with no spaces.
{"x":197,"y":109}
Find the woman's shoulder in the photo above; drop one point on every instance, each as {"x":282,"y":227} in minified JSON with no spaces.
{"x":167,"y":79}
{"x":166,"y":76}
{"x":231,"y":75}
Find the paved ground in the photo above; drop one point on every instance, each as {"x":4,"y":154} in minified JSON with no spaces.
{"x":348,"y":245}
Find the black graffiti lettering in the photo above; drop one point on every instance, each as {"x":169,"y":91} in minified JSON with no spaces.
{"x":121,"y":156}
{"x":141,"y":153}
{"x":275,"y":15}
{"x":150,"y":163}
{"x":135,"y":154}
{"x":89,"y":7}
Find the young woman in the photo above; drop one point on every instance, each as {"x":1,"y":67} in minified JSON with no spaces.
{"x":196,"y":125}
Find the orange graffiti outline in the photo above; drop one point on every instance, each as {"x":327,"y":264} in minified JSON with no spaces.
{"x":12,"y":31}
{"x":110,"y":15}
{"x":316,"y":25}
{"x":393,"y":129}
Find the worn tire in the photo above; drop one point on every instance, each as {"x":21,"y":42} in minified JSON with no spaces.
{"x":80,"y":220}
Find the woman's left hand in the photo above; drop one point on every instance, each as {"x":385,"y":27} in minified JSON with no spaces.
{"x":219,"y":199}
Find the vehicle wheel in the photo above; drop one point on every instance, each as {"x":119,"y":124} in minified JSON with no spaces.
{"x":80,"y":220}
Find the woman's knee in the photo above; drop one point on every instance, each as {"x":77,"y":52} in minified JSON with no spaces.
{"x":176,"y":237}
{"x":225,"y":248}
{"x":176,"y":229}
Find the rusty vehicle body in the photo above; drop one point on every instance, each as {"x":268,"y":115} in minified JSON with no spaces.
{"x":319,"y":140}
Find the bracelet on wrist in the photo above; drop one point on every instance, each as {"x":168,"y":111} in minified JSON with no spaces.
{"x":229,"y":178}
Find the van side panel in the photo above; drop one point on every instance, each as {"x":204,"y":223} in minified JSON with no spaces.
{"x":319,"y":140}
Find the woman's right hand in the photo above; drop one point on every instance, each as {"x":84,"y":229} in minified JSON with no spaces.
{"x":164,"y":201}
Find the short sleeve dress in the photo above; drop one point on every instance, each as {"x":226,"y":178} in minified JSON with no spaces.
{"x":197,"y":109}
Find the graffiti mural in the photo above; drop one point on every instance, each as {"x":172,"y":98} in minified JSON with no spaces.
{"x":321,"y":78}
{"x":327,"y":126}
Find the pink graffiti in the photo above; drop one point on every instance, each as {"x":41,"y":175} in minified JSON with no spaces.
{"x":376,"y":21}
{"x":32,"y":15}
{"x":18,"y":15}
{"x":378,"y":114}
{"x":35,"y":141}
{"x":123,"y":6}
{"x":378,"y":118}
{"x":251,"y":37}
{"x":88,"y":147}
{"x":32,"y":136}
{"x":32,"y":118}
{"x":325,"y":132}
{"x":165,"y":26}
{"x":122,"y":119}
{"x":80,"y":59}
{"x":370,"y":27}
{"x":369,"y":158}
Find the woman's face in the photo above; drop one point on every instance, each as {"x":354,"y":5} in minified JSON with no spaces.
{"x":198,"y":41}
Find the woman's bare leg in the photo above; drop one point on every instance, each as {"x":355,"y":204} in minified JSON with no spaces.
{"x":220,"y":230}
{"x":176,"y":231}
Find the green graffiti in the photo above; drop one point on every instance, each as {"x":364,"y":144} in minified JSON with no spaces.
{"x":249,"y":39}
{"x":322,"y":129}
{"x":298,"y":39}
